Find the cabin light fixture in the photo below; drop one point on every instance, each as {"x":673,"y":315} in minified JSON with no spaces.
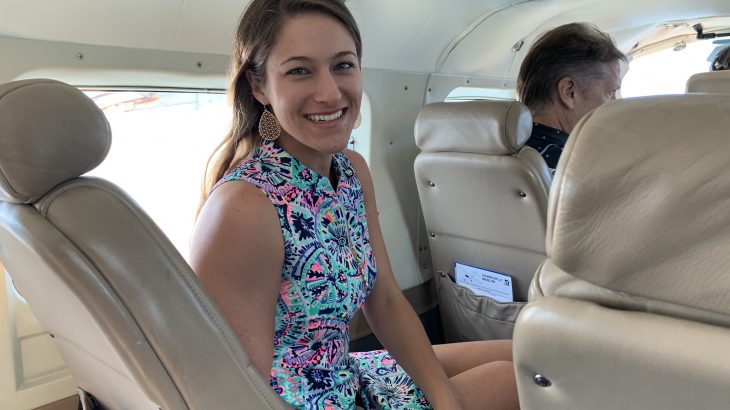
{"x":679,"y":46}
{"x":518,"y":46}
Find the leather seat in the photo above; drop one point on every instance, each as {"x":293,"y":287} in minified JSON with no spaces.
{"x":128,"y":315}
{"x":713,"y":82}
{"x":484,"y":200}
{"x":631,"y":309}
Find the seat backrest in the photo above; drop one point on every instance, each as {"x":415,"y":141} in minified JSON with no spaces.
{"x":631,"y":309}
{"x":128,"y":315}
{"x":483,"y":194}
{"x":713,"y":82}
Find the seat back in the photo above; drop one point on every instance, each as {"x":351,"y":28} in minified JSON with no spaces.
{"x":713,"y":82}
{"x":128,"y":315}
{"x":631,"y":309}
{"x":483,"y":194}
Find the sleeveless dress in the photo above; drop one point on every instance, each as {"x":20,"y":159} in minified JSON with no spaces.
{"x":328,"y":271}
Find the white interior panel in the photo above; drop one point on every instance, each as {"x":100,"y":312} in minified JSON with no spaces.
{"x":129,"y":23}
{"x":466,"y":37}
{"x":32,"y":372}
{"x":396,"y":99}
{"x":111,"y":66}
{"x":208,"y":26}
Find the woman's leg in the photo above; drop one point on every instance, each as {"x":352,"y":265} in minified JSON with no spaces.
{"x":459,"y":357}
{"x":488,"y":386}
{"x":481,"y":372}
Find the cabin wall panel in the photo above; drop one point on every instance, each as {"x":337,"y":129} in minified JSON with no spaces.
{"x":32,"y":372}
{"x":396,"y":98}
{"x":440,"y":85}
{"x":80,"y":64}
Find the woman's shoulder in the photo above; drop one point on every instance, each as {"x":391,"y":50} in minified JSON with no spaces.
{"x":236,"y":196}
{"x":357,"y":161}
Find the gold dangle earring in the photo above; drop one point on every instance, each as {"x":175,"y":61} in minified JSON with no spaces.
{"x":358,"y":121}
{"x":269,"y":127}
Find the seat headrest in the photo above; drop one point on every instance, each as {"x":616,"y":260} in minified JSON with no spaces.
{"x":480,"y":127}
{"x":713,"y":82}
{"x":640,"y":201}
{"x":50,"y":132}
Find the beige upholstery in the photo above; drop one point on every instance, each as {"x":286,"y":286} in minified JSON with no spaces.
{"x":483,"y":194}
{"x":128,"y":315}
{"x":713,"y":82}
{"x":632,"y":307}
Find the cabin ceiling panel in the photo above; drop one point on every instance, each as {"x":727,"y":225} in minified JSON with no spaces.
{"x":405,"y":35}
{"x":410,"y":35}
{"x":486,"y":51}
{"x":402,"y":35}
{"x":128,"y":23}
{"x":209,"y":26}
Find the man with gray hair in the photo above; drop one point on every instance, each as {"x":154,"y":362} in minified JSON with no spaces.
{"x":568,"y":72}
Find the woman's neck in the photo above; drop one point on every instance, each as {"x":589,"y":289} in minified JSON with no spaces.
{"x":317,"y":161}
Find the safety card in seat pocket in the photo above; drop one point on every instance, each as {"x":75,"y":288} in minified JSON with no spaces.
{"x":497,"y":286}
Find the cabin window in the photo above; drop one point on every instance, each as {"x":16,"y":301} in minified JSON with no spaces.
{"x":479,"y":93}
{"x":161,"y":142}
{"x":160,"y":145}
{"x":667,"y":71}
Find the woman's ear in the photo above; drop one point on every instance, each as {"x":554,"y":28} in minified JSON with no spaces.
{"x":257,"y":89}
{"x":567,"y":92}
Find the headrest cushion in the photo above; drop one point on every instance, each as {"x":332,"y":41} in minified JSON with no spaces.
{"x":50,"y":132}
{"x":713,"y":82}
{"x":480,"y":127}
{"x":640,"y":200}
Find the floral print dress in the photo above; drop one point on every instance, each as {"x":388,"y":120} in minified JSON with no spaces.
{"x":328,"y":271}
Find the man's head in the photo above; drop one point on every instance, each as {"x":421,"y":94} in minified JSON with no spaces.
{"x":568,"y":72}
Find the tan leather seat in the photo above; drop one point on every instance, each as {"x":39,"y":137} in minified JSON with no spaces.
{"x":127,"y":314}
{"x":713,"y":82}
{"x":631,"y":309}
{"x":484,"y":200}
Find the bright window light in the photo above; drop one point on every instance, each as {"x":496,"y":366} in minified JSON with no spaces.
{"x":161,"y":142}
{"x":667,"y":71}
{"x":479,"y":93}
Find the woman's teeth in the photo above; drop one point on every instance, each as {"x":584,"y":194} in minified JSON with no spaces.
{"x":325,"y":118}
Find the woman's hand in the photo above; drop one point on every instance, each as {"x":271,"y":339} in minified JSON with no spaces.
{"x":447,"y":400}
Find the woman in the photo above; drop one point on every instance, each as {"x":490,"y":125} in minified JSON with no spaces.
{"x":288,"y":241}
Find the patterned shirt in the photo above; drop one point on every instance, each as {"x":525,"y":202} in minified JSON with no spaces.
{"x":328,"y":271}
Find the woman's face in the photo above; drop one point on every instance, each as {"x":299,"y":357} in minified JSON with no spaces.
{"x":313,"y":83}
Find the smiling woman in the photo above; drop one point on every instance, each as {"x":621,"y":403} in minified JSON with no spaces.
{"x":314,"y":90}
{"x":160,"y":70}
{"x":289,"y":245}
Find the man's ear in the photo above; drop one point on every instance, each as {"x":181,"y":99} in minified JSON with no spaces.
{"x":567,"y":91}
{"x":257,"y":89}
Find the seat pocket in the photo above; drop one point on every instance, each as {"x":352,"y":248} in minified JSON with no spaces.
{"x":467,"y":316}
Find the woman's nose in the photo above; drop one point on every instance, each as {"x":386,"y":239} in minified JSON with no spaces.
{"x":328,"y":90}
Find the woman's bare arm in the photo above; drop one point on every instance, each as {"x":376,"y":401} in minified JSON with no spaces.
{"x":237,"y":251}
{"x":391,"y":316}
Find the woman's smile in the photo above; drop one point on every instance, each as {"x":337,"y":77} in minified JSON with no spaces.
{"x":326,"y":118}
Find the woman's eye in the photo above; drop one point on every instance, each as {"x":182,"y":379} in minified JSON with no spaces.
{"x":345,"y":65}
{"x":298,"y":71}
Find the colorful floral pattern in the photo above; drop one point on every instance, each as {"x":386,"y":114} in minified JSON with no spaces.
{"x":328,"y":271}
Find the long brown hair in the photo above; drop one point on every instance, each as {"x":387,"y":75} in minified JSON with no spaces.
{"x":255,"y":37}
